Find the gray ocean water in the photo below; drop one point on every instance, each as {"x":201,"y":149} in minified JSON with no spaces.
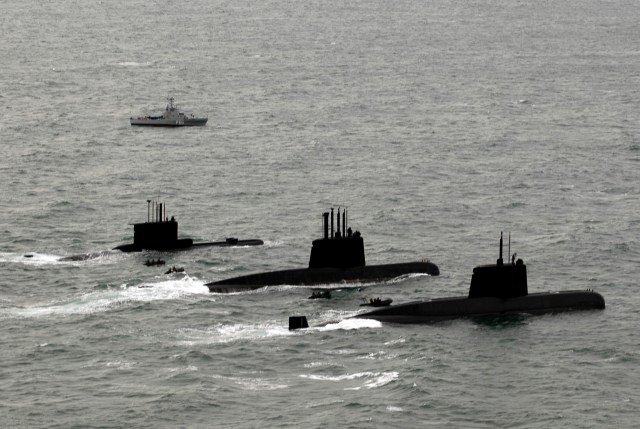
{"x":438,"y":124}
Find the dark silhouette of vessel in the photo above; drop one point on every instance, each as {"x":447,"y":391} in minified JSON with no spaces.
{"x":321,"y":294}
{"x":495,"y":290}
{"x":161,"y":233}
{"x":337,"y":257}
{"x":377,"y":302}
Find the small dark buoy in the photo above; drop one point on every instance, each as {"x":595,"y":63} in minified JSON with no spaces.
{"x":298,"y":322}
{"x":28,"y":256}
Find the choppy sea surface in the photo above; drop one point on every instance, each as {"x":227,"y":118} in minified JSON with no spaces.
{"x":437,"y":123}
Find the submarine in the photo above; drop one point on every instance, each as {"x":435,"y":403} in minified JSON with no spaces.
{"x":161,"y":233}
{"x":496,"y":290}
{"x":336,"y":257}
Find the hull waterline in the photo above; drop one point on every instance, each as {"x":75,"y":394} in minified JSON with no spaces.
{"x":435,"y":310}
{"x":326,"y":275}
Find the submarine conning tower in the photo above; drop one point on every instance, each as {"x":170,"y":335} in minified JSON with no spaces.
{"x":158,"y":232}
{"x":340,"y":249}
{"x":500,"y":280}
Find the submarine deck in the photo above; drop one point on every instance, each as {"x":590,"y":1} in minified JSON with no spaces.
{"x":439,"y":309}
{"x":314,"y":276}
{"x":187,"y":243}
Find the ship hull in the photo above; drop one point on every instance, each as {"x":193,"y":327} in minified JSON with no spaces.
{"x":195,"y":122}
{"x":156,"y":122}
{"x":435,"y":310}
{"x":186,"y":122}
{"x":188,"y":243}
{"x":315,"y":276}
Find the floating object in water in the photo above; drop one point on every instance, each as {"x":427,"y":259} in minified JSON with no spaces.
{"x":161,"y":233}
{"x":322,"y":293}
{"x":28,"y":255}
{"x":495,"y":290}
{"x":172,"y":117}
{"x":174,"y":270}
{"x":377,"y":302}
{"x":338,"y":257}
{"x":298,"y":322}
{"x":154,"y":262}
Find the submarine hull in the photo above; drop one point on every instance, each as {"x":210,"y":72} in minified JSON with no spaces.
{"x":188,"y":243}
{"x":314,"y":276}
{"x":435,"y":310}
